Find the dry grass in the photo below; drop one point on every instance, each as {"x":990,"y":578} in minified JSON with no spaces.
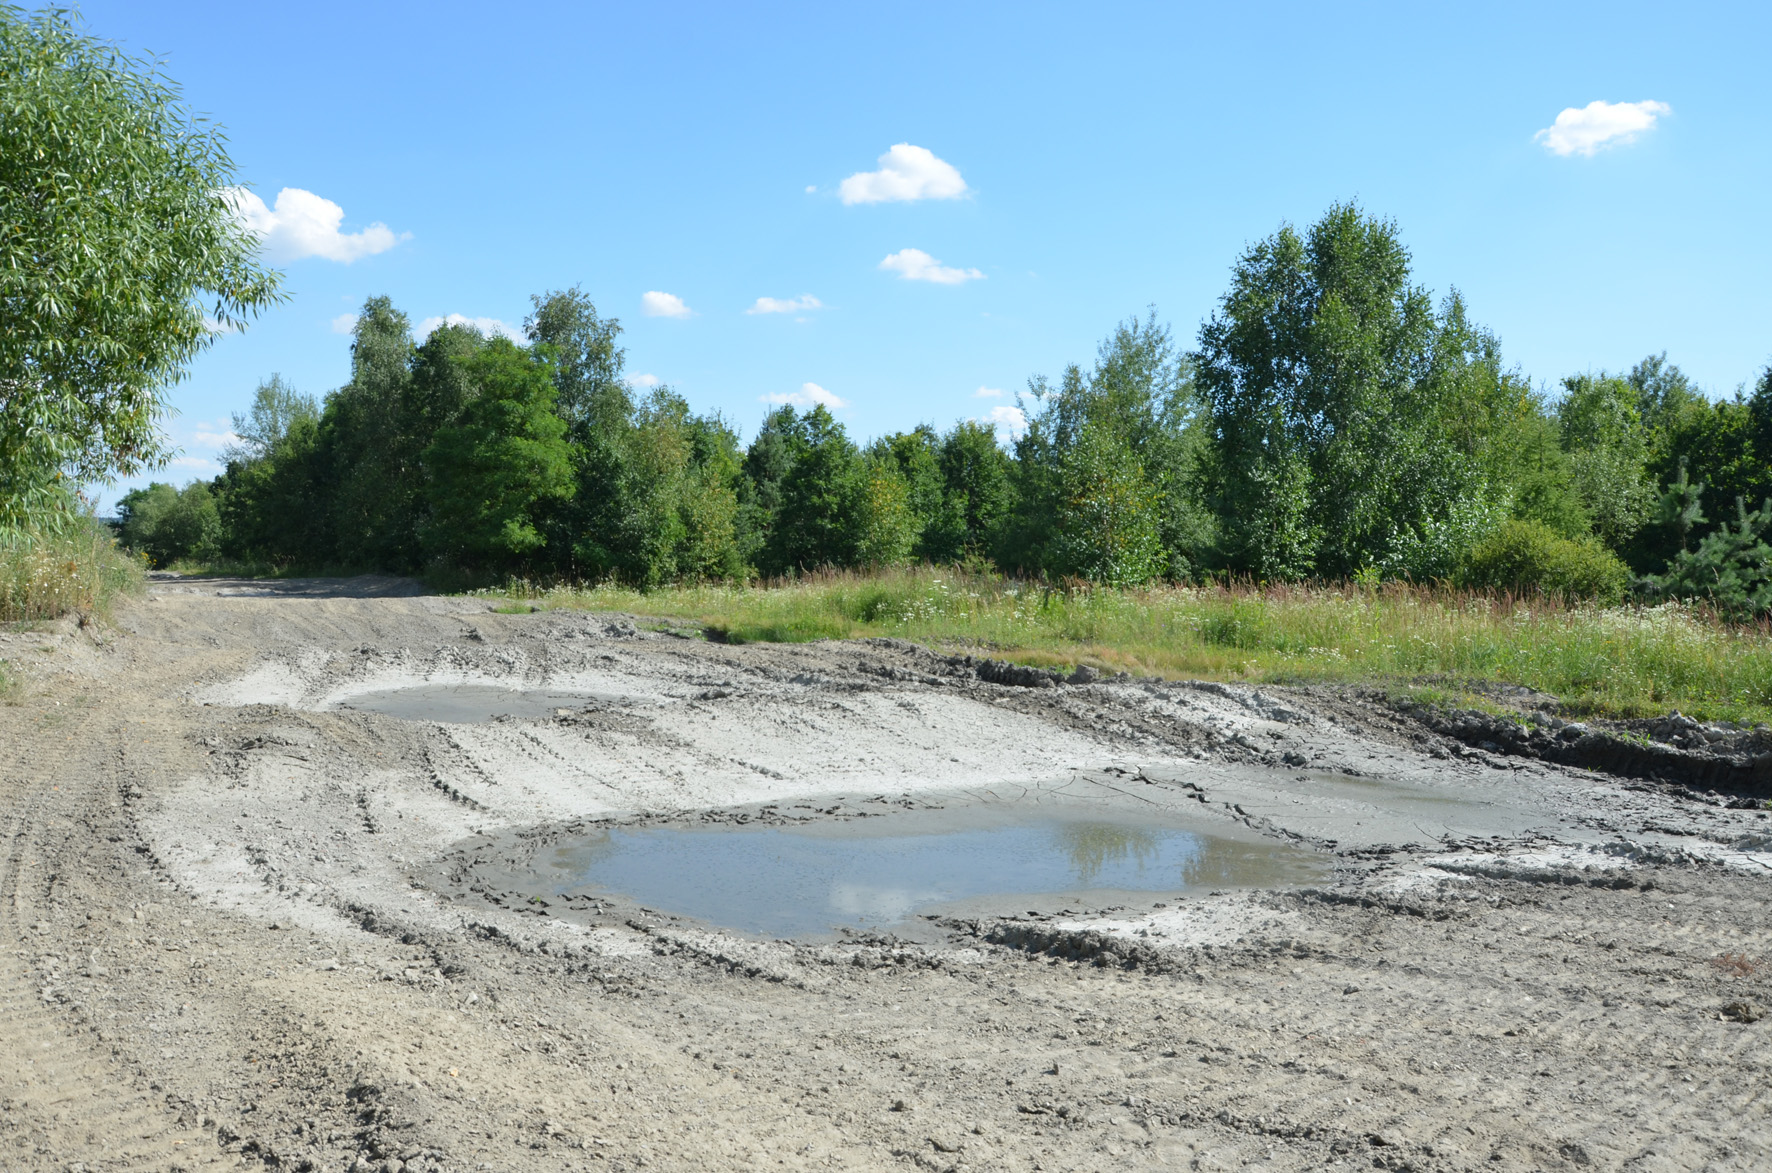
{"x":1736,"y":965}
{"x":1623,"y":661}
{"x":79,"y":571}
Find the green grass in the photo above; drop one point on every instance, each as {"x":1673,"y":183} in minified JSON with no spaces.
{"x":1618,"y":661}
{"x":79,"y":571}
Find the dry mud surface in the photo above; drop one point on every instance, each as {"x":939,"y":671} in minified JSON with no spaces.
{"x":247,"y":919}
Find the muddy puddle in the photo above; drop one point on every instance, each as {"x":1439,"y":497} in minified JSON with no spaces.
{"x":820,"y":877}
{"x":469,"y":704}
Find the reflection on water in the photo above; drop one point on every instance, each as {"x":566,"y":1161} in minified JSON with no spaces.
{"x":808,"y":879}
{"x":1092,"y":846}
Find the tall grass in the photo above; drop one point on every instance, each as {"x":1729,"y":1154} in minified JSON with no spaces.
{"x":47,"y":574}
{"x":1624,"y":661}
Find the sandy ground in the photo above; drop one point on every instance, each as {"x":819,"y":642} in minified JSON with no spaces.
{"x":241,"y":922}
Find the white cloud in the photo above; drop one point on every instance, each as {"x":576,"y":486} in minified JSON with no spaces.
{"x":785,"y":305}
{"x":906,"y":173}
{"x":1586,"y":129}
{"x":214,"y":434}
{"x":811,"y":187}
{"x":200,"y":464}
{"x":913,"y":264}
{"x":345,"y":323}
{"x":806,"y":396}
{"x":486,"y":326}
{"x":644,"y":380}
{"x":1010,"y":422}
{"x":988,"y":393}
{"x":663,"y":305}
{"x":306,"y":225}
{"x":217,"y":327}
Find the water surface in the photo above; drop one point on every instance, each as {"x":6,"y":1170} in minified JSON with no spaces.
{"x":467,"y":704}
{"x":798,"y":880}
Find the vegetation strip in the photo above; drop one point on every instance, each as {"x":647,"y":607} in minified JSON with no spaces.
{"x":1433,"y":644}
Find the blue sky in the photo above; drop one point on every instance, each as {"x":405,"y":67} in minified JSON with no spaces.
{"x":1071,"y":166}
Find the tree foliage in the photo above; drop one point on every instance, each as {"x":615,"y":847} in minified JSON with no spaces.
{"x":167,"y":524}
{"x":1335,"y":421}
{"x":1732,"y":567}
{"x":120,"y":257}
{"x":503,"y":458}
{"x":1349,"y":415}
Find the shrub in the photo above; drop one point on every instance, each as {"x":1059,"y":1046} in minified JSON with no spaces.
{"x":77,"y":568}
{"x":168,"y":524}
{"x":1731,"y":569}
{"x":1527,"y":557}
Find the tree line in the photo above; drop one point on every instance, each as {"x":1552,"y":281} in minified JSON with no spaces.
{"x":1333,"y":421}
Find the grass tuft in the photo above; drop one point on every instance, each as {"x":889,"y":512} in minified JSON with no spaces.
{"x":1613,"y":661}
{"x":79,"y":571}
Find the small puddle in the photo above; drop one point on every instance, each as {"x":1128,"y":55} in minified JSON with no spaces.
{"x":468,"y":704}
{"x":812,"y":879}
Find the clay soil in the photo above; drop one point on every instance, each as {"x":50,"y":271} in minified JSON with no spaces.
{"x":243,"y":923}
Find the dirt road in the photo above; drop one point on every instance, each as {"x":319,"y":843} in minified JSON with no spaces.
{"x":245,"y":919}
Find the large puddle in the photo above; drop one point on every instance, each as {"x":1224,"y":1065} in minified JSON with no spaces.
{"x":468,"y":704}
{"x":812,"y":879}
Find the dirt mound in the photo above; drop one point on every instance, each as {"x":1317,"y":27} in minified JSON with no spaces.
{"x":1674,"y":749}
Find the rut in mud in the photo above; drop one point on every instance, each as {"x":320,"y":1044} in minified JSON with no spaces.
{"x":279,"y":889}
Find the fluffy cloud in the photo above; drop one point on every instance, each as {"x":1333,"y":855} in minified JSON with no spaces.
{"x":303,"y":224}
{"x":214,"y":434}
{"x":1597,"y":125}
{"x":644,"y":381}
{"x":201,"y":464}
{"x":486,"y":326}
{"x":663,"y":305}
{"x":988,"y":393}
{"x":786,"y":305}
{"x":906,"y":173}
{"x":913,"y":264}
{"x":808,"y":395}
{"x":345,"y":323}
{"x":1010,"y":422}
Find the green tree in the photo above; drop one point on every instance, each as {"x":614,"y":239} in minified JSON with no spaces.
{"x":368,"y":441}
{"x":277,"y":409}
{"x":1715,"y":441}
{"x":120,"y":257}
{"x":1538,"y":475}
{"x":276,"y":508}
{"x":1602,"y":431}
{"x":767,"y":462}
{"x":668,"y":508}
{"x":1680,"y":510}
{"x":1732,"y":567}
{"x":1107,"y":524}
{"x":168,"y":524}
{"x":1139,"y":399}
{"x":499,"y":463}
{"x":587,"y":360}
{"x":887,"y":521}
{"x":916,"y":457}
{"x":1351,"y":420}
{"x":814,"y":519}
{"x":975,"y":494}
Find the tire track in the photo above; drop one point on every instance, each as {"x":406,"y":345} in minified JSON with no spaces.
{"x":63,"y":1102}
